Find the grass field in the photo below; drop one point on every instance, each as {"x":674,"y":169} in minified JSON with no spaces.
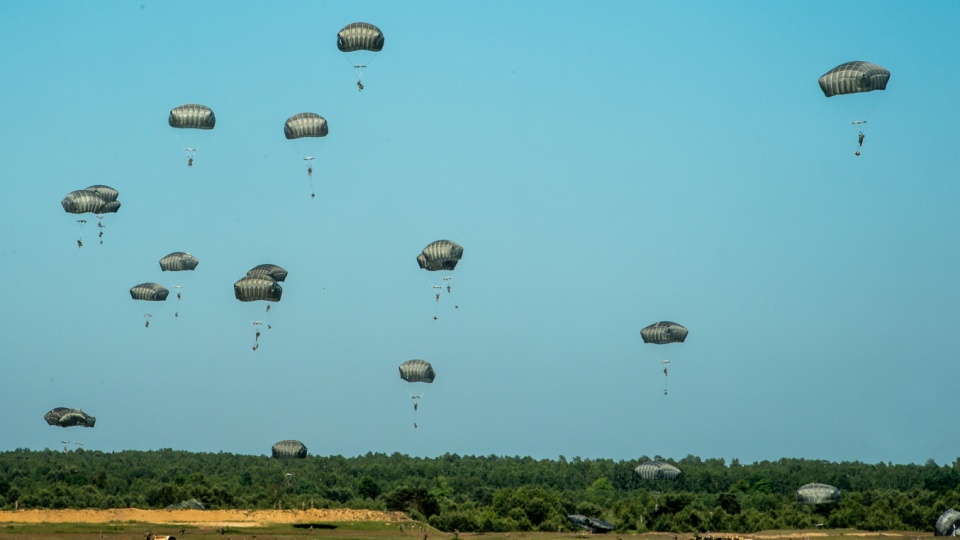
{"x":372,"y":531}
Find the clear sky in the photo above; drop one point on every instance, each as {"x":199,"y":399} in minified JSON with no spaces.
{"x":605,"y":166}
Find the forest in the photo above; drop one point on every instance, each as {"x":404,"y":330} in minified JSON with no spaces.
{"x":493,"y":493}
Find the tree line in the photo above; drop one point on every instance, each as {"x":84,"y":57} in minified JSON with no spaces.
{"x":493,"y":493}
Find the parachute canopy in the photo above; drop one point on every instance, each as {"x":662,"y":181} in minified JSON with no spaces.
{"x":82,"y":202}
{"x":440,"y":255}
{"x":947,"y":523}
{"x":664,"y":332}
{"x":67,"y":417}
{"x":177,"y":261}
{"x":818,"y":494}
{"x":417,"y":371}
{"x":270,"y":270}
{"x":289,"y":449}
{"x":305,"y":125}
{"x":593,"y":525}
{"x":192,"y":115}
{"x":853,"y":77}
{"x":657,"y":470}
{"x":151,"y":292}
{"x":252,"y":288}
{"x":360,"y":36}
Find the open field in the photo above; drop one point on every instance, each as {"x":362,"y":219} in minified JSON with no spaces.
{"x":323,"y":524}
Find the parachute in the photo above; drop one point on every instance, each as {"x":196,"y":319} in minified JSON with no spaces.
{"x":818,"y":494}
{"x":149,"y":292}
{"x":441,"y":255}
{"x":67,"y":417}
{"x":259,"y":286}
{"x":417,"y":371}
{"x":358,"y":42}
{"x":593,"y":525}
{"x":192,"y":116}
{"x":662,"y":333}
{"x":657,"y":470}
{"x":270,"y":270}
{"x":178,"y":261}
{"x":855,"y":78}
{"x":306,"y":125}
{"x":948,"y":523}
{"x":97,"y":200}
{"x":289,"y":449}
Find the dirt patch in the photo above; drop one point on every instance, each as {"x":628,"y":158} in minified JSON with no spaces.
{"x":219,"y":518}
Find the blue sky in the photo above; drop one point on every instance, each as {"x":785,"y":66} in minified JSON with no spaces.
{"x":604,"y":166}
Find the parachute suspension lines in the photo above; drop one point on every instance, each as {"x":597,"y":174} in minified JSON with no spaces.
{"x":82,"y":222}
{"x":664,"y":363}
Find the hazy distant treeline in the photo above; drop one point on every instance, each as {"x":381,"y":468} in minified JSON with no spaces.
{"x":476,"y":493}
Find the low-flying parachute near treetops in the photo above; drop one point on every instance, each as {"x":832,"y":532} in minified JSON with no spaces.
{"x":97,"y":200}
{"x":359,"y":42}
{"x":178,"y":261}
{"x":417,"y":371}
{"x":67,"y":417}
{"x":657,"y":470}
{"x":192,"y":116}
{"x":663,"y":333}
{"x":149,"y":292}
{"x":948,"y":524}
{"x":437,"y":256}
{"x":259,"y":285}
{"x":289,"y":449}
{"x":308,"y":126}
{"x":818,"y":494}
{"x":855,"y":78}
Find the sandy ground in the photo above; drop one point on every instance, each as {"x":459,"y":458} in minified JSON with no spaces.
{"x":218,"y":518}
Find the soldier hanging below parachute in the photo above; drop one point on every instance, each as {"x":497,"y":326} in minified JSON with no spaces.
{"x":359,"y":42}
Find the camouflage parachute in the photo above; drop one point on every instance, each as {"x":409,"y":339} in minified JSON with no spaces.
{"x":818,"y":494}
{"x":67,"y":417}
{"x":360,"y":36}
{"x":178,"y":261}
{"x":150,"y":292}
{"x":192,"y":115}
{"x":593,"y":525}
{"x":664,"y":332}
{"x":305,"y":125}
{"x":253,"y":288}
{"x":854,"y":77}
{"x":948,"y":524}
{"x":440,"y":255}
{"x":289,"y":449}
{"x":657,"y":470}
{"x":83,"y":201}
{"x":417,"y":371}
{"x":269,"y":270}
